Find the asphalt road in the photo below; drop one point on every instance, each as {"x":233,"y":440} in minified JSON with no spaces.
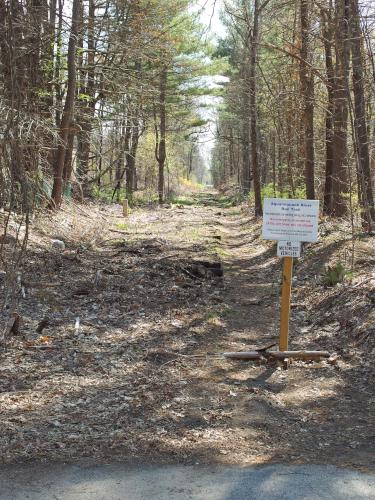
{"x":178,"y":482}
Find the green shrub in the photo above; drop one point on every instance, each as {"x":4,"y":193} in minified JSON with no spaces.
{"x":268,"y":192}
{"x":335,"y":274}
{"x":182,"y":200}
{"x":105,"y":194}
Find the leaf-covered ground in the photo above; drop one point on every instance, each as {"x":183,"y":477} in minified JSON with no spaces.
{"x":119,"y":356}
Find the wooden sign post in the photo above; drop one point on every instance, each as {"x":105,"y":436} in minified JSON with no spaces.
{"x":287,"y":250}
{"x":125,"y":208}
{"x":289,"y":222}
{"x":285,"y":303}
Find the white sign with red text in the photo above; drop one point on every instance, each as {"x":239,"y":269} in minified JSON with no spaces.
{"x":290,"y":220}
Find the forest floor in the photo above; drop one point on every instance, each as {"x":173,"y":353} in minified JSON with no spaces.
{"x":120,"y":352}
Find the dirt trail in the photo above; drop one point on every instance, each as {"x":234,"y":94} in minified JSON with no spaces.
{"x":310,"y":413}
{"x":143,"y":378}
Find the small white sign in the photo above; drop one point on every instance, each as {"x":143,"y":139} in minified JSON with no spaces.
{"x":288,"y":248}
{"x":290,"y":220}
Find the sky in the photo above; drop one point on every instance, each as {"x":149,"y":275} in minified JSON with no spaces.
{"x":210,"y":16}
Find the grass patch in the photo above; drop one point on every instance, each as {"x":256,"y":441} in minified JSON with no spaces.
{"x":229,"y":312}
{"x":214,"y":319}
{"x":183,"y":200}
{"x":222,"y":201}
{"x":191,"y":235}
{"x":229,"y":201}
{"x":217,"y":316}
{"x":220,"y":252}
{"x":117,"y":242}
{"x":232,"y":212}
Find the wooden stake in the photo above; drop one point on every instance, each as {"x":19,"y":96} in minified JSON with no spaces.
{"x":125,"y":208}
{"x":285,"y":303}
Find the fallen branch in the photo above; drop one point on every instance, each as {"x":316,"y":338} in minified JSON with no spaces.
{"x":42,"y":347}
{"x":118,"y":231}
{"x":248,"y":355}
{"x":363,"y":282}
{"x":184,"y":270}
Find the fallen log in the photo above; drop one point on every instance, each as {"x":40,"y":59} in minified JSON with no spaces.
{"x":248,"y":355}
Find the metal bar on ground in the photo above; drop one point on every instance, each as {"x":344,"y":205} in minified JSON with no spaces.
{"x":308,"y":355}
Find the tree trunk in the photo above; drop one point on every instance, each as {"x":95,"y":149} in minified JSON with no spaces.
{"x":161,"y":149}
{"x":130,"y":160}
{"x":231,"y":153}
{"x":245,"y":136}
{"x":68,"y":111}
{"x":307,"y":91}
{"x":289,"y":157}
{"x":57,"y":67}
{"x":360,"y":123}
{"x":274,"y":161}
{"x":328,"y":42}
{"x":340,"y":117}
{"x":254,"y":112}
{"x":121,"y":166}
{"x":87,"y":110}
{"x":115,"y":159}
{"x":245,"y":177}
{"x":68,"y":162}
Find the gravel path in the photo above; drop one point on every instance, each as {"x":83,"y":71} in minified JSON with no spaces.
{"x":117,"y":482}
